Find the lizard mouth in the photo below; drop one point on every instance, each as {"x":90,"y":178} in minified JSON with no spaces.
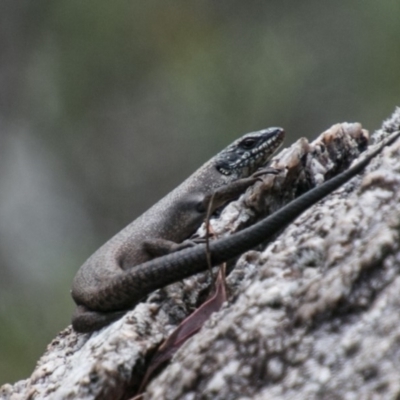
{"x":250,"y":152}
{"x":272,"y":141}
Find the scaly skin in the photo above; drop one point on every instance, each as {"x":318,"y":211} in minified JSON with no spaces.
{"x":111,"y":281}
{"x":124,"y":290}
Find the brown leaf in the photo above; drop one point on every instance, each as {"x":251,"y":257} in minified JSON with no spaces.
{"x":187,"y":328}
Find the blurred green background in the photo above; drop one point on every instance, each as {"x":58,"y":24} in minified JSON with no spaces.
{"x":107,"y":105}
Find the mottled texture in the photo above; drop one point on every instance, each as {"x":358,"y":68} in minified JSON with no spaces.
{"x":314,"y":315}
{"x":319,"y":318}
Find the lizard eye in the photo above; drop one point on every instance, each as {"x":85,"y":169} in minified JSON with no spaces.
{"x":248,"y":143}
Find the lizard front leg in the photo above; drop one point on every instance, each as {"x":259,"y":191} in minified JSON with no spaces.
{"x":233,"y":190}
{"x":159,"y":247}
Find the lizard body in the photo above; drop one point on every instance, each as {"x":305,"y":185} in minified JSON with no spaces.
{"x":165,"y":226}
{"x":127,"y":289}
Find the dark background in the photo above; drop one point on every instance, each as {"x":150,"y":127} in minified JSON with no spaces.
{"x":105,"y":106}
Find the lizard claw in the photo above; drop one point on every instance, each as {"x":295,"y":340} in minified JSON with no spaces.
{"x":266,"y":171}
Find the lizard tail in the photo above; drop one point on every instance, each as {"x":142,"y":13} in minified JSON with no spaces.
{"x":162,"y":271}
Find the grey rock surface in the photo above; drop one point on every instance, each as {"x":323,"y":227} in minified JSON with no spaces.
{"x":312,"y":315}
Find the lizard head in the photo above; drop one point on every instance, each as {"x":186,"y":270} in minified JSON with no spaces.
{"x":249,"y":152}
